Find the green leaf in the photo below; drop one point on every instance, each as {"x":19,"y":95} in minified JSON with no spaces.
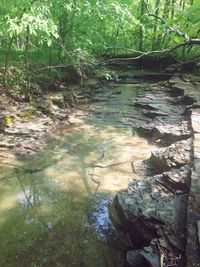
{"x":49,"y":42}
{"x":178,"y":39}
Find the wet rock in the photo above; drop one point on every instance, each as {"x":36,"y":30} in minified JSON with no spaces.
{"x":154,"y":206}
{"x":169,"y":134}
{"x":193,"y":248}
{"x":135,"y":259}
{"x":159,"y":253}
{"x":183,"y":84}
{"x":176,"y":181}
{"x":188,"y":100}
{"x":161,"y":106}
{"x":145,"y":130}
{"x":153,"y":114}
{"x":152,"y":259}
{"x":146,"y":211}
{"x":158,"y":76}
{"x":146,"y":103}
{"x":174,"y":156}
{"x":165,"y":134}
{"x":177,"y":91}
{"x":198,"y":227}
{"x":50,"y":109}
{"x":193,"y":251}
{"x":143,"y":168}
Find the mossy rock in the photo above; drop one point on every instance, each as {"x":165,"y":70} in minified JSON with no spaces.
{"x":28,"y":113}
{"x":45,"y":105}
{"x":6,"y":121}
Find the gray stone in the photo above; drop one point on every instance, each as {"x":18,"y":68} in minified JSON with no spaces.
{"x":134,"y":258}
{"x":174,"y":156}
{"x":165,"y":134}
{"x":176,"y":181}
{"x":198,"y":227}
{"x":145,"y":207}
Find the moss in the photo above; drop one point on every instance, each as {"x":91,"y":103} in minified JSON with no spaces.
{"x":6,"y":121}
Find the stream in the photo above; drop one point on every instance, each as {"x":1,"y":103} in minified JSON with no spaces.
{"x":54,"y":209}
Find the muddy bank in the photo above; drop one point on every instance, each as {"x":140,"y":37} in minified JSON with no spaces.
{"x":152,"y":211}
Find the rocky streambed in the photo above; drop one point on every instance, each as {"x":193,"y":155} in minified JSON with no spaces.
{"x":136,"y":127}
{"x":159,"y":211}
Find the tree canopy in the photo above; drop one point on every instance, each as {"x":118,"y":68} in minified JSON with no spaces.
{"x":75,"y":33}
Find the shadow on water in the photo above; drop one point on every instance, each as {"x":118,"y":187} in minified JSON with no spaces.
{"x":54,"y":209}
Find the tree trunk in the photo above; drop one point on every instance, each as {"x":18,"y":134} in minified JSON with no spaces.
{"x":26,"y":63}
{"x":141,"y":31}
{"x":155,"y":25}
{"x":172,"y":8}
{"x":166,"y":9}
{"x":63,"y":29}
{"x":7,"y":58}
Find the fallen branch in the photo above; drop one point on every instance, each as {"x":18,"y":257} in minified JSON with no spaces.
{"x":144,"y":54}
{"x":140,"y":54}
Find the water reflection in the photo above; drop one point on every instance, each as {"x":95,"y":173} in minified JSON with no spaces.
{"x":55,"y":207}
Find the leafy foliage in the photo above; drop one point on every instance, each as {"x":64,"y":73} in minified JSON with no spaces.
{"x":42,"y":33}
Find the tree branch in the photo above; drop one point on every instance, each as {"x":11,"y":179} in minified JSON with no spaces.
{"x":179,"y":33}
{"x":143,"y":54}
{"x":140,"y":54}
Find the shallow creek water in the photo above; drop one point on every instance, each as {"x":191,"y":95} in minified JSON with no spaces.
{"x":54,"y":210}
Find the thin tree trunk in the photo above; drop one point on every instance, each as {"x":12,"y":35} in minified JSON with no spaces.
{"x":172,"y":8}
{"x":26,"y":63}
{"x":166,"y":9}
{"x":166,"y":14}
{"x":116,"y":40}
{"x":155,"y":25}
{"x":50,"y":58}
{"x":141,"y":31}
{"x":7,"y":58}
{"x":182,"y":4}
